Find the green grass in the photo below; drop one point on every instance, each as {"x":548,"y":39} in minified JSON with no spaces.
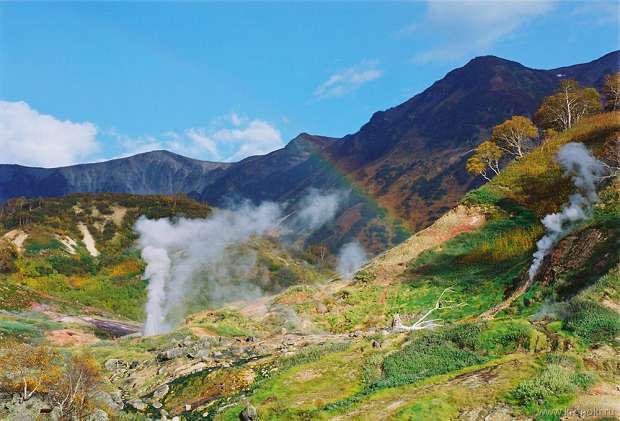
{"x":553,"y":387}
{"x":592,"y":322}
{"x":26,"y":327}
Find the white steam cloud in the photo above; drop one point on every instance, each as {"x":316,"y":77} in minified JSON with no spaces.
{"x":189,"y":258}
{"x":351,"y":257}
{"x":584,"y":170}
{"x":316,"y":208}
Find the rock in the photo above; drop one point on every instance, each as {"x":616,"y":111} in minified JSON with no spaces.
{"x":188,"y":341}
{"x":137,"y":404}
{"x":375,"y":344}
{"x":112,"y":401}
{"x":248,"y":414}
{"x":114,"y":364}
{"x":202,"y":354}
{"x":98,"y":415}
{"x":250,"y":339}
{"x":188,"y":407}
{"x":321,"y":308}
{"x":160,"y":392}
{"x":157,"y":404}
{"x":19,"y":410}
{"x":170,"y":354}
{"x":162,"y":370}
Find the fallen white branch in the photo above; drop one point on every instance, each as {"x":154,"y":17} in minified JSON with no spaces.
{"x":441,"y":304}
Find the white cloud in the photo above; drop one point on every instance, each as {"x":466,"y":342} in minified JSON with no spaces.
{"x":200,"y":138}
{"x":28,"y":137}
{"x":469,"y":27}
{"x":243,"y":138}
{"x":348,"y":80}
{"x":257,"y":137}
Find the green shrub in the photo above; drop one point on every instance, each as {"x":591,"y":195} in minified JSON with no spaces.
{"x":592,"y":322}
{"x":428,"y":354}
{"x":553,"y":382}
{"x":364,"y":276}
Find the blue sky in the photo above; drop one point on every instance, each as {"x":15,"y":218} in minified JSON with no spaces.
{"x":220,"y":81}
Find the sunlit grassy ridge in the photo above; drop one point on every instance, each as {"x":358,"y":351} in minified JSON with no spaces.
{"x":420,"y":378}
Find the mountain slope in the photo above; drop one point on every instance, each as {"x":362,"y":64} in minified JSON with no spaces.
{"x":403,"y":169}
{"x":410,"y":158}
{"x":157,"y":172}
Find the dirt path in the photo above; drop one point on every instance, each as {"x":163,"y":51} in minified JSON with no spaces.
{"x":490,"y":313}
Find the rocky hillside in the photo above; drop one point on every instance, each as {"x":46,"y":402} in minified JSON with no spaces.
{"x":404,"y":339}
{"x":404,"y":168}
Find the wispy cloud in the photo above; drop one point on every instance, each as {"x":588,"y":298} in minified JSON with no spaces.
{"x":599,"y":12}
{"x":348,"y":80}
{"x":29,"y":137}
{"x":234,"y":138}
{"x":254,"y":137}
{"x":467,"y":27}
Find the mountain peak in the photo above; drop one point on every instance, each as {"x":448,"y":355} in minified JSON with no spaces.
{"x":306,"y":140}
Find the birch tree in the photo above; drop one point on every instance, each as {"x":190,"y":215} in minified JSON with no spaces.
{"x":569,"y":104}
{"x":485,"y":160}
{"x":514,"y":135}
{"x":611,"y":91}
{"x":27,"y":369}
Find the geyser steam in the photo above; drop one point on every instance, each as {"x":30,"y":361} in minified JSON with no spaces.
{"x":187,"y":257}
{"x":350,"y":258}
{"x":175,"y":253}
{"x":585,"y":171}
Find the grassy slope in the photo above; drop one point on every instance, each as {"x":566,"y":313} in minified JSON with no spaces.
{"x":464,"y":366}
{"x":483,"y":266}
{"x":44,"y":272}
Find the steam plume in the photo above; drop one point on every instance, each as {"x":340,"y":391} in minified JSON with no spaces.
{"x":189,"y":258}
{"x":350,"y":258}
{"x":316,"y":208}
{"x":584,"y":170}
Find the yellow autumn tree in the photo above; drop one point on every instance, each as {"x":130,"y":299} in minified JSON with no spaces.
{"x":28,"y":369}
{"x":514,"y":135}
{"x":485,"y":158}
{"x":76,"y":390}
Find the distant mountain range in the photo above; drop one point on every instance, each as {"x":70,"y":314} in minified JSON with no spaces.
{"x":404,"y":168}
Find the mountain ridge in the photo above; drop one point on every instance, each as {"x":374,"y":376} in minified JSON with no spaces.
{"x":407,"y":160}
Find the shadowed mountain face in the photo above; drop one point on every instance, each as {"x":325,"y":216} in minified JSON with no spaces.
{"x":407,"y":161}
{"x":160,"y":172}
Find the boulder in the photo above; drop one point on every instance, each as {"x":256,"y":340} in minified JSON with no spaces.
{"x":248,"y":414}
{"x":137,"y":404}
{"x":160,"y":392}
{"x":114,"y":364}
{"x":98,"y":415}
{"x":170,"y":354}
